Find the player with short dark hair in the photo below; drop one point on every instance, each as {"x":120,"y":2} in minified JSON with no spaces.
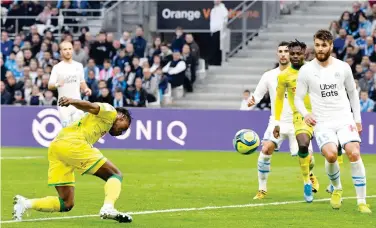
{"x":73,"y":150}
{"x":335,"y":114}
{"x":268,"y":84}
{"x":287,"y":82}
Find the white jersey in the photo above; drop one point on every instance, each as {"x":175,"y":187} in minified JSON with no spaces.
{"x":72,"y":74}
{"x":268,"y":83}
{"x":328,"y":88}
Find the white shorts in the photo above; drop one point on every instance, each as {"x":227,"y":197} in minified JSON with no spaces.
{"x":287,"y":132}
{"x":342,"y":131}
{"x":69,"y":115}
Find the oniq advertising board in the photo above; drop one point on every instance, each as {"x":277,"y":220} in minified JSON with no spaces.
{"x":155,"y":129}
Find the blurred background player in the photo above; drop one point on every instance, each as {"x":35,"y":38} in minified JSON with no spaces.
{"x":287,"y":82}
{"x":68,"y":78}
{"x":268,"y":84}
{"x":328,"y":82}
{"x":73,"y":149}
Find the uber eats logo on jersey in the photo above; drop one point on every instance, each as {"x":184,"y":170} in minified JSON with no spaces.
{"x":329,"y":90}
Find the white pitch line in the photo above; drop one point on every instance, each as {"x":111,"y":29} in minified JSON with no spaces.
{"x":21,"y":158}
{"x":180,"y":210}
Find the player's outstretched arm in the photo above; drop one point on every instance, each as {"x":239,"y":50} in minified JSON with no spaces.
{"x":85,"y":106}
{"x":279,"y":97}
{"x":353,"y":94}
{"x":53,"y":83}
{"x":260,"y":91}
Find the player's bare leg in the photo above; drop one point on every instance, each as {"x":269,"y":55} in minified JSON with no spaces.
{"x":304,"y":161}
{"x":113,"y":177}
{"x":330,"y":151}
{"x":358,"y":174}
{"x":63,"y":203}
{"x":263,"y":165}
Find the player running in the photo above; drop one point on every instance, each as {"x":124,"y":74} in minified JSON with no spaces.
{"x":268,"y":83}
{"x":73,"y":150}
{"x":68,"y":78}
{"x":303,"y":132}
{"x":328,"y":81}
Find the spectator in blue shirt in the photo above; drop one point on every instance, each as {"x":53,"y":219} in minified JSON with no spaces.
{"x":179,"y":40}
{"x":339,"y":42}
{"x":120,"y":59}
{"x":361,"y":41}
{"x":139,"y":42}
{"x":10,"y":62}
{"x":366,"y":104}
{"x":91,"y":66}
{"x":6,"y":44}
{"x":365,"y":24}
{"x":369,"y":49}
{"x":344,"y":22}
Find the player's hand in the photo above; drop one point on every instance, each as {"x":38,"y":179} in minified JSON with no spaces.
{"x":60,"y":83}
{"x":65,"y":102}
{"x":310,"y":120}
{"x":87,"y":92}
{"x":359,"y":127}
{"x":251,"y":101}
{"x":276,"y":132}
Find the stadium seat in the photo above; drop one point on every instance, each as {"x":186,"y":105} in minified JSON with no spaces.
{"x":167,"y":96}
{"x":178,"y":92}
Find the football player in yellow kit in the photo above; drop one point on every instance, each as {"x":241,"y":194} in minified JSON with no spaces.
{"x":287,"y":82}
{"x":73,"y":150}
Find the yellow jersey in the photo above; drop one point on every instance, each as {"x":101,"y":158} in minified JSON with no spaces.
{"x":90,"y":127}
{"x":287,"y":82}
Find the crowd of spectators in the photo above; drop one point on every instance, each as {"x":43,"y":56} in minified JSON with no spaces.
{"x":123,"y":72}
{"x":355,"y":43}
{"x":45,"y":14}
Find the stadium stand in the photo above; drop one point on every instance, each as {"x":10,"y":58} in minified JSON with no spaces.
{"x":112,"y":66}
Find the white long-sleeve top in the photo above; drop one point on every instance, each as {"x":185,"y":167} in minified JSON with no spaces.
{"x":328,"y":88}
{"x":268,"y":83}
{"x":180,"y":67}
{"x":218,"y":17}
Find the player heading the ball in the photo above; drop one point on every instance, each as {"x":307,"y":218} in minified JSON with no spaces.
{"x":73,"y":150}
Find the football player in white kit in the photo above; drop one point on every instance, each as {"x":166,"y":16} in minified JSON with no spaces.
{"x":68,"y":78}
{"x":268,"y":83}
{"x":328,"y":81}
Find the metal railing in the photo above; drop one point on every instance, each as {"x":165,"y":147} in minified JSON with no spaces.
{"x":245,"y":25}
{"x":81,"y":20}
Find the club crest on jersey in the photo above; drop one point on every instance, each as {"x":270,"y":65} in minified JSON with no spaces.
{"x":336,"y":75}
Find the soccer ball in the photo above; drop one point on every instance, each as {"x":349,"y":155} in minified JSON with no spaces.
{"x":246,"y":141}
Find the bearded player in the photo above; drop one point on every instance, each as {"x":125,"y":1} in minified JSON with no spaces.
{"x":268,"y":83}
{"x":303,"y":132}
{"x":328,"y":82}
{"x":68,"y":78}
{"x":73,"y":150}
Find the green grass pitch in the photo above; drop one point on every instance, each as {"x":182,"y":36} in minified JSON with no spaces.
{"x":159,"y":180}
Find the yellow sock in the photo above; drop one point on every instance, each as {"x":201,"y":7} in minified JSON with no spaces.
{"x":112,"y":189}
{"x":304,"y":167}
{"x":47,"y":204}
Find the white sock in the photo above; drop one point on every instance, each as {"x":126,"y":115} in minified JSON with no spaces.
{"x":358,"y":174}
{"x":108,"y":205}
{"x":332,"y":169}
{"x":263,"y":164}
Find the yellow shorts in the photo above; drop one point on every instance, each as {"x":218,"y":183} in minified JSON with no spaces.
{"x":66,"y":156}
{"x":300,"y":126}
